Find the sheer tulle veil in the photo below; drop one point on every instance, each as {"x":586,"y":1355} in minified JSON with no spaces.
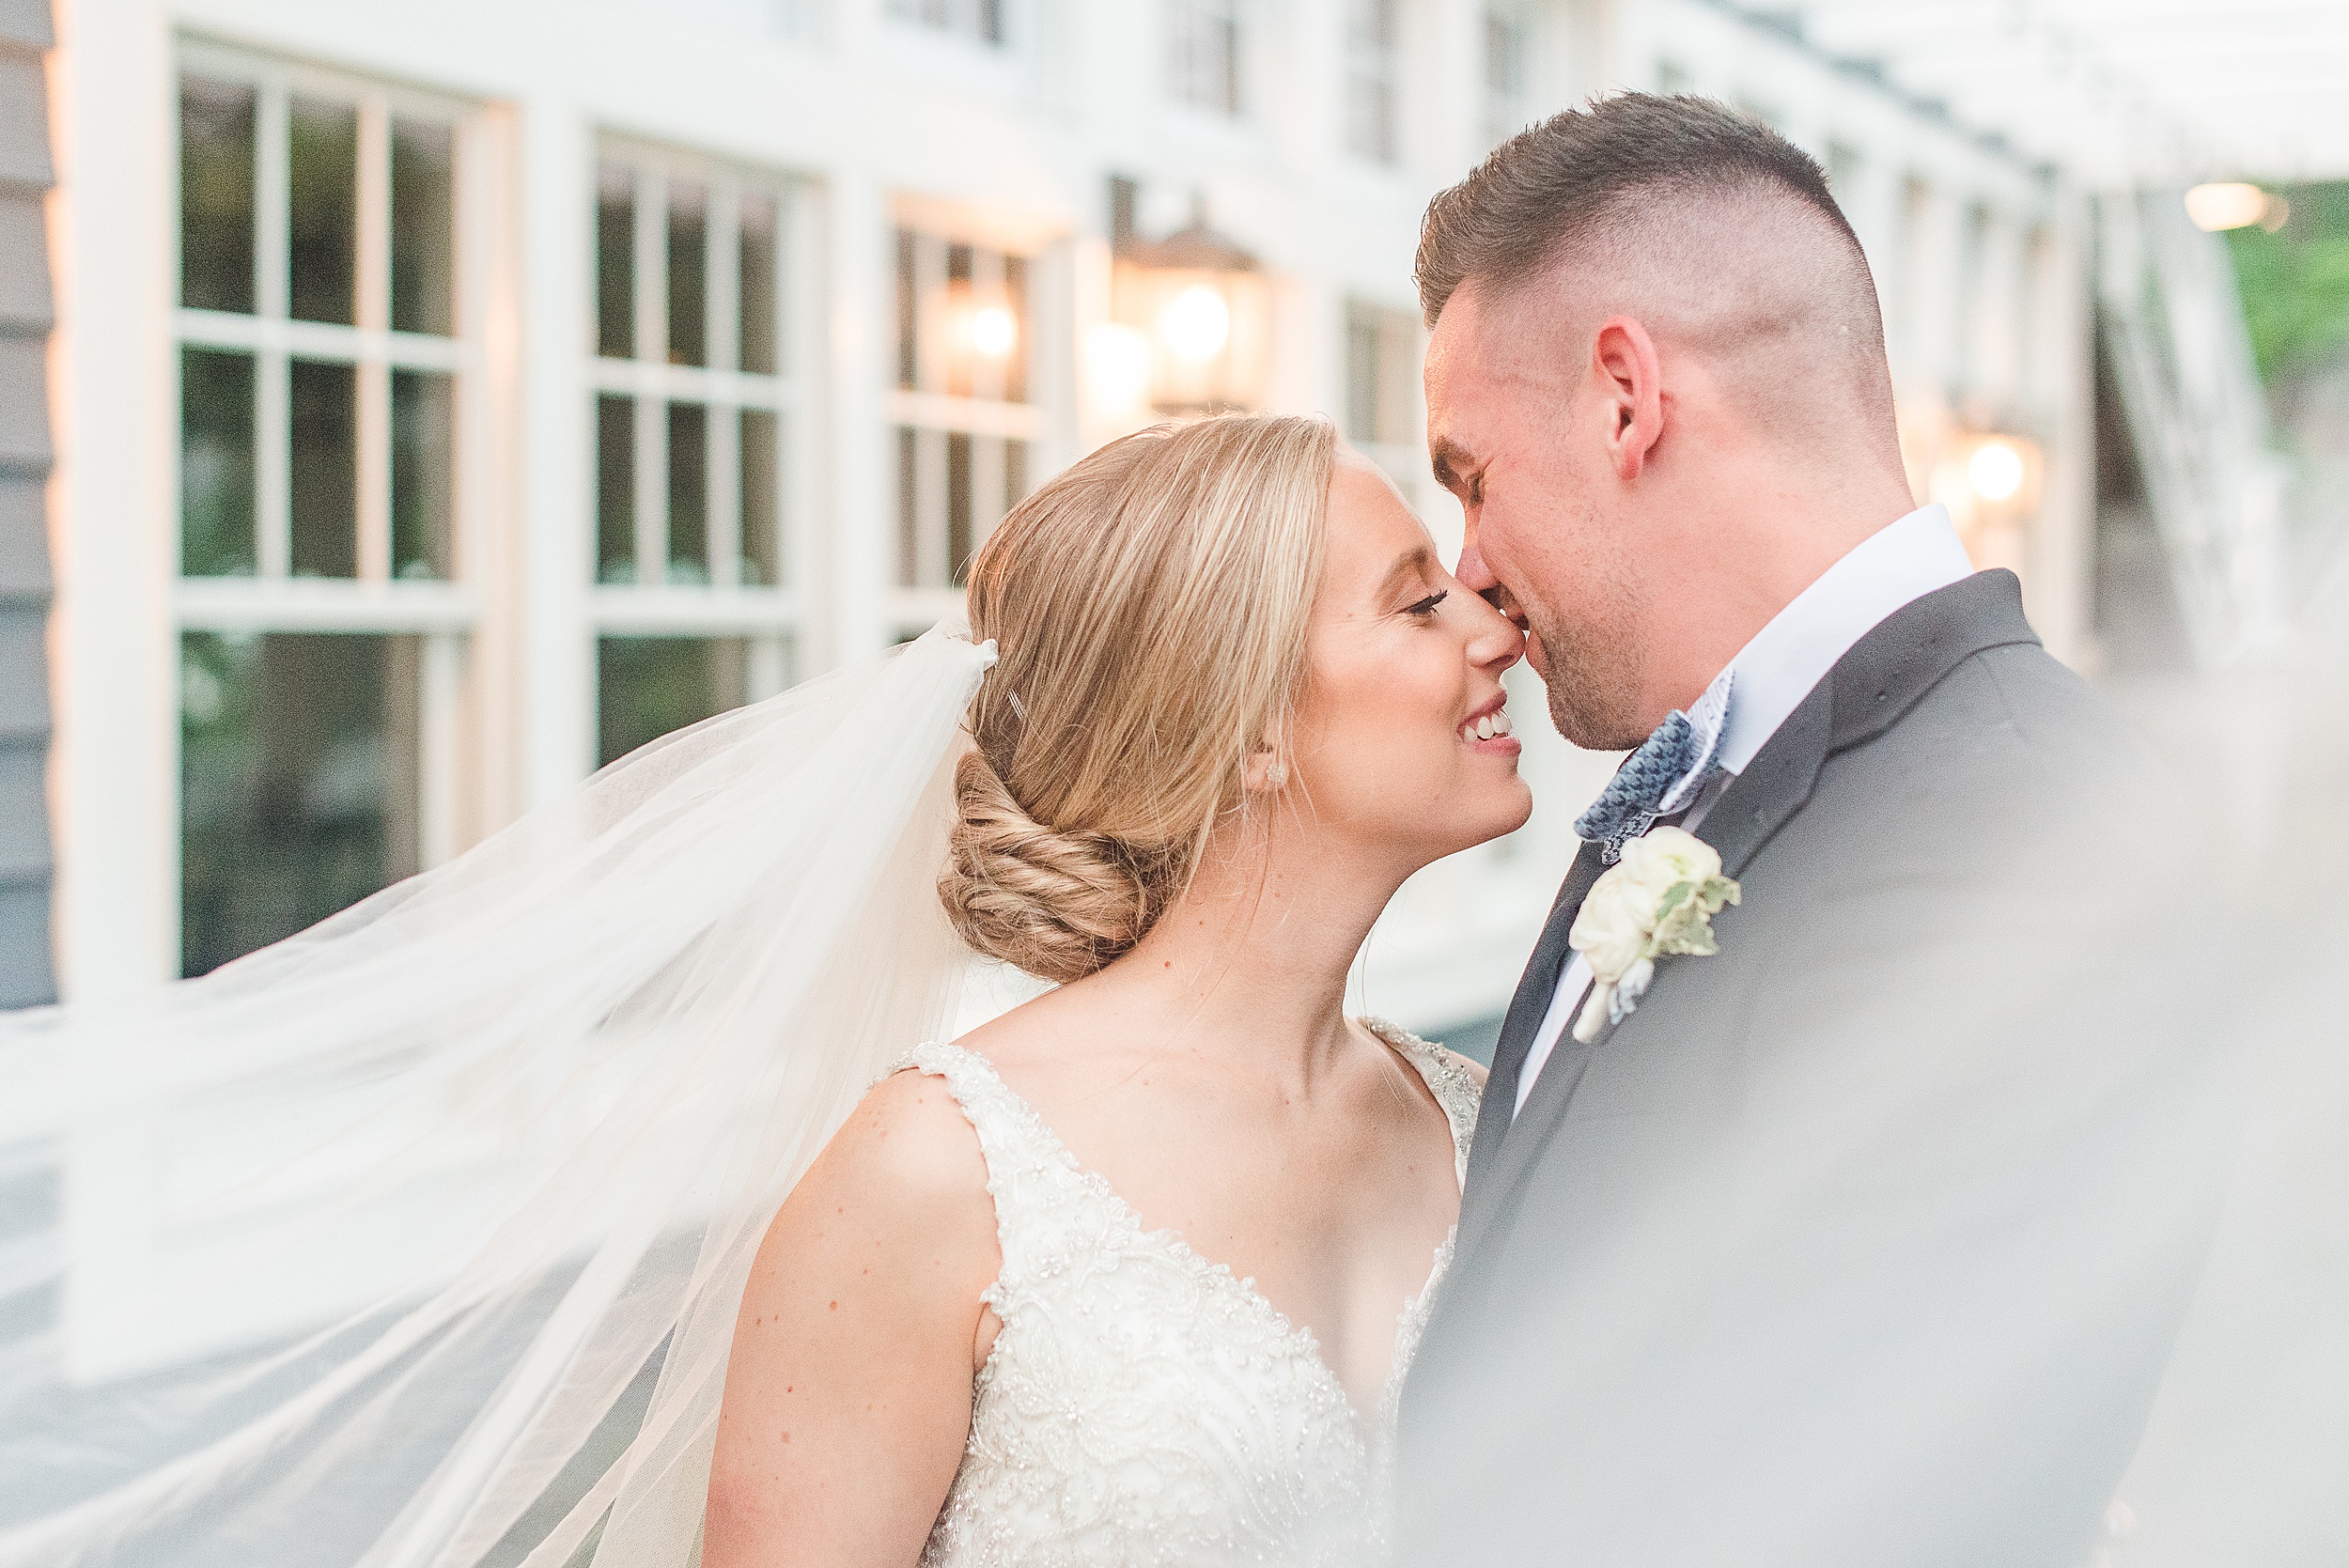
{"x":453,"y":1196}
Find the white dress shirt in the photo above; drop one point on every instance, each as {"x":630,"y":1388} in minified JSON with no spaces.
{"x":1774,"y":673}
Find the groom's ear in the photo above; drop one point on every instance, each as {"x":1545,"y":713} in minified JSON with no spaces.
{"x":1630,"y":381}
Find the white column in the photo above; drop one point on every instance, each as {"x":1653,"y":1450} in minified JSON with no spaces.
{"x":2060,"y":589}
{"x":114,"y":770}
{"x":555,"y":560}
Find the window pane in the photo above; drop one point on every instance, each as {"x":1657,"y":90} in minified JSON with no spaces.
{"x":908,"y":326}
{"x":297,"y":784}
{"x":1015,"y":300}
{"x":322,"y":209}
{"x":215,"y":464}
{"x":325,"y":479}
{"x":959,"y":305}
{"x":215,"y":196}
{"x":423,"y":445}
{"x":1015,"y":473}
{"x":616,"y":490}
{"x":423,"y":195}
{"x":958,"y":507}
{"x":1361,"y":375}
{"x":762,"y":499}
{"x":909,"y":506}
{"x":648,"y":686}
{"x":758,"y":283}
{"x":688,"y":273}
{"x":616,"y":263}
{"x":689,"y":494}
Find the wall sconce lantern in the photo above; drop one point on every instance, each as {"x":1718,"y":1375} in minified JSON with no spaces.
{"x":1194,"y":307}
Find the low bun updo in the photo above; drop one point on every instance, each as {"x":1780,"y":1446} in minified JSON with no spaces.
{"x":1149,"y":610}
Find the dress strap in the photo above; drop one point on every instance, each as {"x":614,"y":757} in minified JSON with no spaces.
{"x":1035,"y":1180}
{"x":1452,"y":1085}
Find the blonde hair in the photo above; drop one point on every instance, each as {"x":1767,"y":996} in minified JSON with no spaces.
{"x":1149,"y":608}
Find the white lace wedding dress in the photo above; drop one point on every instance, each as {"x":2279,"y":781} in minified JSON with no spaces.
{"x":1141,"y":1403}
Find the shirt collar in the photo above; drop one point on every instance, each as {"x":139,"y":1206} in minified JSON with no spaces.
{"x":1893,"y":566}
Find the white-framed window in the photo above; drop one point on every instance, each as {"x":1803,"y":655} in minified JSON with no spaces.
{"x":1381,"y":377}
{"x":701,"y":437}
{"x":329,"y":399}
{"x":964,"y":424}
{"x":1508,"y":68}
{"x":979,"y":20}
{"x":1203,"y":54}
{"x":1373,"y":41}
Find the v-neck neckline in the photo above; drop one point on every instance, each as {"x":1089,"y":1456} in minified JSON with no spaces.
{"x":1298,"y":1336}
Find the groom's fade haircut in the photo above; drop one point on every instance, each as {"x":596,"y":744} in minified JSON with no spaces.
{"x":1680,"y":212}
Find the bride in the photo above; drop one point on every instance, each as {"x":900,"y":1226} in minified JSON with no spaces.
{"x":564,"y":1205}
{"x":1132,"y":1273}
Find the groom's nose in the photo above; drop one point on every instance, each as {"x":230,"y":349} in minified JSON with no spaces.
{"x":1478,"y":578}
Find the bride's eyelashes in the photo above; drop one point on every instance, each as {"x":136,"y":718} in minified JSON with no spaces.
{"x":1426,"y":606}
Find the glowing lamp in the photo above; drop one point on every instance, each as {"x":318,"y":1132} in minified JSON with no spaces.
{"x":1995,"y":472}
{"x":2230,"y":203}
{"x":993,"y":332}
{"x":1202,"y":309}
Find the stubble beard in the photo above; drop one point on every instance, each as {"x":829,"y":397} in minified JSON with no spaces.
{"x":1590,"y":670}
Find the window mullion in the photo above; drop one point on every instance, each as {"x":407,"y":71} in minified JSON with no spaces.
{"x":374,"y":240}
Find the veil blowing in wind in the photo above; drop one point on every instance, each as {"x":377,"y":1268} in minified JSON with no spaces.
{"x":417,"y":1239}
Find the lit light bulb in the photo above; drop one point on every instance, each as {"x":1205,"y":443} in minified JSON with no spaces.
{"x":1196,"y":323}
{"x":993,"y":332}
{"x":2226,"y":205}
{"x":1994,"y":471}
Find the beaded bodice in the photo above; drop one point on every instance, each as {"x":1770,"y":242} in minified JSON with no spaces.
{"x":1143,"y":1404}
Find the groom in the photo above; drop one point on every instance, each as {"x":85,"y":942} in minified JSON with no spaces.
{"x":1864,"y":1238}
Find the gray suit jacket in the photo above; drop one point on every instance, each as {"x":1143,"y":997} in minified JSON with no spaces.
{"x":1864,"y":1240}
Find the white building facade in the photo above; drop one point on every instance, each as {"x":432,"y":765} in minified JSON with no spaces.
{"x":448,"y":398}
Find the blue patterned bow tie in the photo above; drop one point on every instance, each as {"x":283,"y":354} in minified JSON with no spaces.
{"x":1663,"y":776}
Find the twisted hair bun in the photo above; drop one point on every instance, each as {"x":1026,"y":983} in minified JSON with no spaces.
{"x":1058,"y":904}
{"x":1149,"y":609}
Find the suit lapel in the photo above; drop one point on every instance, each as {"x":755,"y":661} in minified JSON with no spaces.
{"x":1526,"y":1012}
{"x":1875,"y":682}
{"x":1771,"y":789}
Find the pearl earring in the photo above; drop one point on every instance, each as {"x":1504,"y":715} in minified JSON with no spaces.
{"x":1277,"y":775}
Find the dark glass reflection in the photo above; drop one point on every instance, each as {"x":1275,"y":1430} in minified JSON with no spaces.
{"x":322,"y":209}
{"x":762,"y":497}
{"x":215,"y":464}
{"x":324,"y":488}
{"x":297,"y":769}
{"x":909,"y":506}
{"x":616,"y":262}
{"x":423,"y":479}
{"x":689,"y":494}
{"x":1015,"y":473}
{"x":688,"y":273}
{"x":424,"y":206}
{"x":648,"y":686}
{"x":216,"y":121}
{"x":616,"y":490}
{"x":757,"y":280}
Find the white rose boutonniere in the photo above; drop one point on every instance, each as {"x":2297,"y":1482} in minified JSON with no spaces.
{"x":1659,"y":900}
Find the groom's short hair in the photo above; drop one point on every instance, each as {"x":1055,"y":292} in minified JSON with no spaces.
{"x":1561,"y":185}
{"x":1704,"y":224}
